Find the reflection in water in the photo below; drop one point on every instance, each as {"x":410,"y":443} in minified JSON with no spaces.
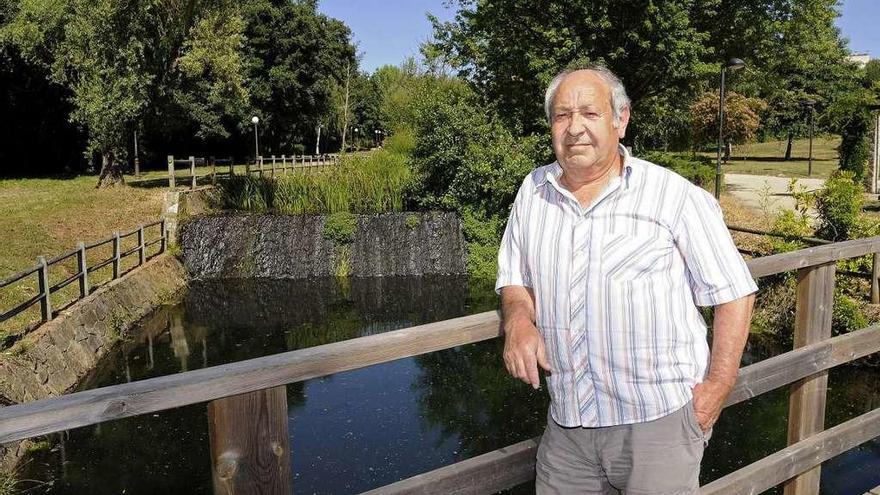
{"x":357,"y":430}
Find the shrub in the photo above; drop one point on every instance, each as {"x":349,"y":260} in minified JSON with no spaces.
{"x":698,"y":171}
{"x":846,"y":315}
{"x":339,"y":228}
{"x":839,"y":205}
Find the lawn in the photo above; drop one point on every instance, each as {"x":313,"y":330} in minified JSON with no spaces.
{"x":46,"y":217}
{"x":768,"y":158}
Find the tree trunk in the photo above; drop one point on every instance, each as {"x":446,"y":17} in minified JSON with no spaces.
{"x":726,"y":150}
{"x":788,"y":148}
{"x":111,"y":171}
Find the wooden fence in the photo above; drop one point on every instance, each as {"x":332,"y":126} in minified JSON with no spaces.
{"x":247,"y":410}
{"x":285,"y":163}
{"x":194,"y":162}
{"x":41,"y":270}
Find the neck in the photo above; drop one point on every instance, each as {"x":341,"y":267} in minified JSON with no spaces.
{"x":575,"y":180}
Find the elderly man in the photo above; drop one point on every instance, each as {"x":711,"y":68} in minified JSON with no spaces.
{"x":602,"y":266}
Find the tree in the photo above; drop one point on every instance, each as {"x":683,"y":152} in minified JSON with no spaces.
{"x":118,"y":58}
{"x":741,"y":117}
{"x":510,"y":49}
{"x":295,"y":57}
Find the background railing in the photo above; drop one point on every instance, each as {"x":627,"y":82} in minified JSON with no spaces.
{"x":285,"y":163}
{"x":247,"y":410}
{"x":192,"y":162}
{"x":83,"y":270}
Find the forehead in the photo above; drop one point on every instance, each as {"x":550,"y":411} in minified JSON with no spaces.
{"x":580,"y":88}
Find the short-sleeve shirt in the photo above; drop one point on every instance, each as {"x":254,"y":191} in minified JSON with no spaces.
{"x":617,"y":287}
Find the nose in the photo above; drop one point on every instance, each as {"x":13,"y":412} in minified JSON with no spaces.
{"x":577,"y":124}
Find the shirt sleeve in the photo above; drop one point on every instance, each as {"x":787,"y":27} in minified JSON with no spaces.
{"x":513,"y":266}
{"x":717,"y":272}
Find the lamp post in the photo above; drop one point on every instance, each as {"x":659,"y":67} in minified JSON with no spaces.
{"x":811,"y":104}
{"x":732,"y":64}
{"x":375,"y":138}
{"x":318,"y":140}
{"x":256,"y":120}
{"x":357,"y":131}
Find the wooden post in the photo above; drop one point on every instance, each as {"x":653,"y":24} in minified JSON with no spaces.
{"x":806,"y":413}
{"x":249,"y":443}
{"x":117,"y":255}
{"x":164,"y":242}
{"x":171,"y":171}
{"x":192,"y":170}
{"x":142,"y":250}
{"x":45,"y":302}
{"x":273,"y":166}
{"x":283,"y":164}
{"x":875,"y":280}
{"x":83,"y":270}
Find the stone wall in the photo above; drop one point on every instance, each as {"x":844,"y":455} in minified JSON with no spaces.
{"x":52,"y":359}
{"x":283,"y":246}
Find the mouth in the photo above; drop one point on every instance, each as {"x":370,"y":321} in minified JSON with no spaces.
{"x":580,"y":145}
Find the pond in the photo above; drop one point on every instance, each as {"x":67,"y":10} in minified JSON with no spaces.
{"x":361,"y":429}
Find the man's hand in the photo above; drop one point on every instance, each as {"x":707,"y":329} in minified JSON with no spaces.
{"x":524,"y":352}
{"x":709,"y":398}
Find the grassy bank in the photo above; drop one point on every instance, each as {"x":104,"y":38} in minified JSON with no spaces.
{"x":45,"y":217}
{"x":768,"y":158}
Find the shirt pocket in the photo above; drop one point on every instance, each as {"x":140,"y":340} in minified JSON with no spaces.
{"x":636,"y":260}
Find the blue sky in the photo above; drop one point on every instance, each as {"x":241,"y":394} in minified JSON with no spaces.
{"x":387,"y":31}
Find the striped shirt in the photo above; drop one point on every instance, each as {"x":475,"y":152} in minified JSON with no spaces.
{"x":617,"y":285}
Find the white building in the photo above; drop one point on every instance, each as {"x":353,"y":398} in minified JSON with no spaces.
{"x":861,"y":59}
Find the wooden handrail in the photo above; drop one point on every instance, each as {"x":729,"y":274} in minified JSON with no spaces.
{"x":83,"y":269}
{"x":813,"y":256}
{"x":156,"y":394}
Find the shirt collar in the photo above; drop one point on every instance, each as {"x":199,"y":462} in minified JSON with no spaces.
{"x":554,"y":170}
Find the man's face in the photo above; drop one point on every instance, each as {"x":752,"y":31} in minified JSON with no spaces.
{"x":582,"y":123}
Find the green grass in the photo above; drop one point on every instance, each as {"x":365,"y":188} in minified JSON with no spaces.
{"x":46,"y":217}
{"x":363,"y":183}
{"x":767,"y":158}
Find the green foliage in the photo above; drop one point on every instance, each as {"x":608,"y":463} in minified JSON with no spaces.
{"x":465,"y":156}
{"x":741,"y":117}
{"x":792,"y":225}
{"x":369,"y":183}
{"x":339,"y":227}
{"x":412,"y":221}
{"x":693,"y":169}
{"x":652,"y":46}
{"x":847,"y":314}
{"x":839,"y":205}
{"x":483,"y":236}
{"x":403,"y":142}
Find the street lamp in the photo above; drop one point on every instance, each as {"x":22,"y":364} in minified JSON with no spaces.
{"x":811,"y":104}
{"x":376,"y":138}
{"x":357,"y":131}
{"x":256,"y":120}
{"x":732,"y":64}
{"x":318,"y":140}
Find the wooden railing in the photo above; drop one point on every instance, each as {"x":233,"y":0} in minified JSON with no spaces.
{"x":192,"y":162}
{"x":285,"y":163}
{"x":41,"y":270}
{"x":247,"y":410}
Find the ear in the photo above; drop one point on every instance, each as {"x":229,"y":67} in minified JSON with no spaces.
{"x":624,"y":120}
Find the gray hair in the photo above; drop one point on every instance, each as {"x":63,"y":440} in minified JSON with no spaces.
{"x":619,"y":98}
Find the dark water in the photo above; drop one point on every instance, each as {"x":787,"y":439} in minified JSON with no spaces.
{"x":358,"y":430}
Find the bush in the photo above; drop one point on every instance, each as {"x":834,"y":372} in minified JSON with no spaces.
{"x":696,"y":170}
{"x":340,"y":227}
{"x":846,"y":315}
{"x":839,"y":205}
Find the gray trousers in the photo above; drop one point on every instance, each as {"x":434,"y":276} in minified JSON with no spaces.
{"x":660,"y":457}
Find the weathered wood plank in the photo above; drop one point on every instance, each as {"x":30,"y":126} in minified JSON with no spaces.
{"x":156,"y":394}
{"x":487,"y":473}
{"x":250,"y":444}
{"x":784,"y":369}
{"x":802,"y":456}
{"x":819,"y":255}
{"x":806,"y":413}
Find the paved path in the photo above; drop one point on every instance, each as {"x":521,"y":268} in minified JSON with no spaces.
{"x":750,"y":189}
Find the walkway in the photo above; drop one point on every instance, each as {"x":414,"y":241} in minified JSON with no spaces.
{"x":764,"y":191}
